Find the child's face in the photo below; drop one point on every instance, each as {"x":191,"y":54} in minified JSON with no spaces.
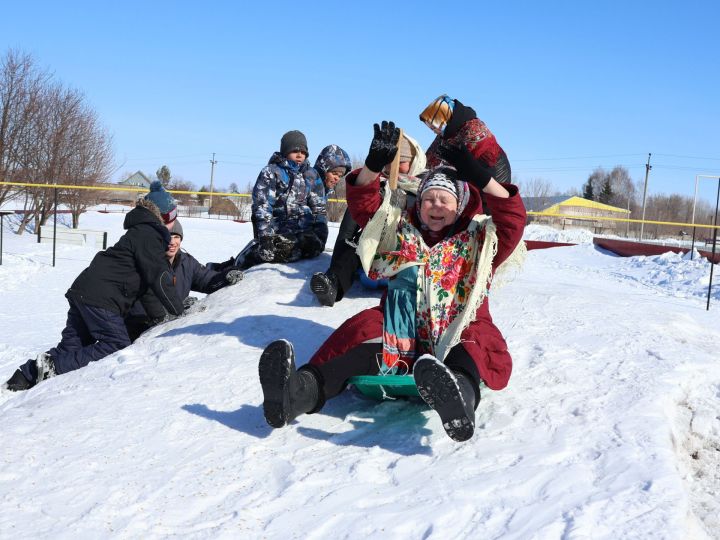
{"x":298,"y":156}
{"x":175,"y":240}
{"x":332,"y":177}
{"x":438,"y":209}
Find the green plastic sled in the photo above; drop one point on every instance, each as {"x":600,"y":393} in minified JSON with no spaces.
{"x":385,"y":386}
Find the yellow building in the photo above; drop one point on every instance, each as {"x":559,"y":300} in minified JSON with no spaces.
{"x":575,"y":206}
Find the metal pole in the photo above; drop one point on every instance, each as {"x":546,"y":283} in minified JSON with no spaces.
{"x":692,"y":244}
{"x":55,"y":226}
{"x":647,"y":173}
{"x":627,"y":230}
{"x":212,"y":172}
{"x":712,"y":264}
{"x":2,"y":218}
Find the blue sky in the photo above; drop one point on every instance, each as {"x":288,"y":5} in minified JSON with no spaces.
{"x":565,"y":86}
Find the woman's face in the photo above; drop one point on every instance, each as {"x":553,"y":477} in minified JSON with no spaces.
{"x":438,"y":209}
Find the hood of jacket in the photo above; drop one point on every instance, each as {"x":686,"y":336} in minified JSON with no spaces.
{"x":331,"y":157}
{"x":145,"y":212}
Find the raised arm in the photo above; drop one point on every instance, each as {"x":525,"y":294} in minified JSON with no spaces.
{"x":383,"y":148}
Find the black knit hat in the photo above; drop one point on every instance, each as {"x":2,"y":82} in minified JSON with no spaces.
{"x":293,"y":140}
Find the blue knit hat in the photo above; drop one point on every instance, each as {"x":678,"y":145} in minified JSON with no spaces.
{"x":163,"y":200}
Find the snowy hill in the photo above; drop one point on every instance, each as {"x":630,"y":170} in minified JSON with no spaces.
{"x":609,"y":428}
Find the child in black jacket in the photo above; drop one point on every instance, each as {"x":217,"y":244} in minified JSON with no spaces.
{"x":102,"y":294}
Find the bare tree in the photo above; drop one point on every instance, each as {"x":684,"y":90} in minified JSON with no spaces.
{"x":20,"y":87}
{"x":48,"y":135}
{"x":179,"y":184}
{"x":89,"y":164}
{"x":623,"y":188}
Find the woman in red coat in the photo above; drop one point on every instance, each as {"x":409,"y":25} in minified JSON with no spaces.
{"x":440,"y":256}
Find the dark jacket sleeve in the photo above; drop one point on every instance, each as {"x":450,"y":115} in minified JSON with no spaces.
{"x":363,"y":201}
{"x":155,"y":270}
{"x":204,"y":280}
{"x":509,"y":217}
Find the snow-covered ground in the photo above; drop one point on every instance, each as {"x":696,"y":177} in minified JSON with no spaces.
{"x":610,"y":426}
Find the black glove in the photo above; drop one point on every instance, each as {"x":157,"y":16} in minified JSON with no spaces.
{"x":286,"y":248}
{"x":189,"y":302}
{"x":160,"y":320}
{"x":311,"y":245}
{"x":266,"y":248}
{"x":470,"y":169}
{"x":233,"y":275}
{"x":383,"y":146}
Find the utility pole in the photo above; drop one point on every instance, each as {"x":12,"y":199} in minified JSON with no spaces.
{"x":212,"y":173}
{"x":647,"y":173}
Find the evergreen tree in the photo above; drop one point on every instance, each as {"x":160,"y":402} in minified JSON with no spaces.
{"x":588,"y":191}
{"x":606,"y":194}
{"x":163,"y":174}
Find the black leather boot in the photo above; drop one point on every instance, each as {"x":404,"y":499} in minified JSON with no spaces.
{"x":325,"y":287}
{"x":449,"y":393}
{"x":287,"y":393}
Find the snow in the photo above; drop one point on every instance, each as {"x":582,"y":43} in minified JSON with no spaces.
{"x":609,"y":428}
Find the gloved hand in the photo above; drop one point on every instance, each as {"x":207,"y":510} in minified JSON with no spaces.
{"x":266,"y":248}
{"x":383,"y":146}
{"x":233,"y":275}
{"x":311,"y":245}
{"x":470,"y":169}
{"x":286,"y":248}
{"x":159,"y":320}
{"x":189,"y":302}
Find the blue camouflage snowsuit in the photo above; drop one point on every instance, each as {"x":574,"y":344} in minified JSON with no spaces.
{"x":289,"y":212}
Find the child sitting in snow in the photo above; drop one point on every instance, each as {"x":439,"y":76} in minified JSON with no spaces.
{"x":435,"y":322}
{"x":102,"y":294}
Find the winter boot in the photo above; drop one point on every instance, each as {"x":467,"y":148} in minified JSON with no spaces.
{"x":449,"y":393}
{"x":18,"y":382}
{"x":45,"y":367}
{"x":325,"y":287}
{"x":287,"y":393}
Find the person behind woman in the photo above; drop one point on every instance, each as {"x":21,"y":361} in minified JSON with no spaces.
{"x":440,"y":256}
{"x":457,"y":125}
{"x":330,"y":286}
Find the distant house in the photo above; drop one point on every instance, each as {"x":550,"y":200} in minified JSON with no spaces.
{"x":136,"y":181}
{"x":575,"y":206}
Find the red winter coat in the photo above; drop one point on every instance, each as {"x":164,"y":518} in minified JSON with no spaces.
{"x":482,"y":339}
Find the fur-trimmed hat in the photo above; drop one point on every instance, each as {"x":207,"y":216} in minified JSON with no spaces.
{"x":163,"y":200}
{"x":177,"y":229}
{"x":292,"y":141}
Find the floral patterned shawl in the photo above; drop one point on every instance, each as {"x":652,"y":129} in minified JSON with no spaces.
{"x":435,"y":291}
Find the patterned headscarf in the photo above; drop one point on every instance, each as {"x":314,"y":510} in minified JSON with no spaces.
{"x":444,"y":178}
